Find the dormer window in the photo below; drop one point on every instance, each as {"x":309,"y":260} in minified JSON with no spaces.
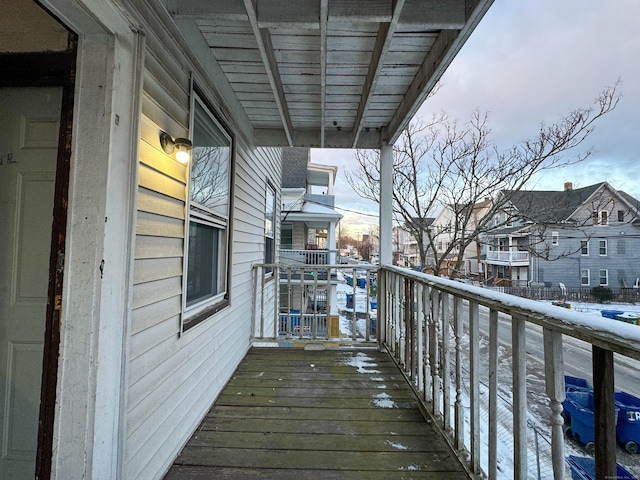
{"x":600,"y":217}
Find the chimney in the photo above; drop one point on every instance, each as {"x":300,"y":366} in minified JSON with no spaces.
{"x":568,"y":186}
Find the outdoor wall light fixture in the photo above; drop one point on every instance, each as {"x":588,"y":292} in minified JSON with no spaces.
{"x":181,"y":146}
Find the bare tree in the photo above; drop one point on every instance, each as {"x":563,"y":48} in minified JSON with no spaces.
{"x":441,"y":164}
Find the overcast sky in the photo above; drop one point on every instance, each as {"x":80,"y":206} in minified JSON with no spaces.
{"x":530,"y":61}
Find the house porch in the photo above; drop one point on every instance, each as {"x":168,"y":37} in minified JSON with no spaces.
{"x":322,"y":414}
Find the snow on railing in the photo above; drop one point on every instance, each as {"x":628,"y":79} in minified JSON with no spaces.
{"x":423,"y":320}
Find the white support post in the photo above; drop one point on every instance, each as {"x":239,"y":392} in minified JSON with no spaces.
{"x":554,"y":377}
{"x":519,"y":397}
{"x":493,"y":394}
{"x":386,"y":204}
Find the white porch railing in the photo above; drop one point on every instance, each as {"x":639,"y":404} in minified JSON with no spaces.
{"x":432,"y":327}
{"x":310,"y":257}
{"x":509,"y":257}
{"x":300,"y":300}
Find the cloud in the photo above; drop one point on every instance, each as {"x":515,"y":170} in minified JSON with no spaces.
{"x":533,"y":61}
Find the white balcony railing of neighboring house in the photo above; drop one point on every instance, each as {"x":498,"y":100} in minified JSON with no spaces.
{"x":464,"y":349}
{"x":309,"y":257}
{"x":512,"y":257}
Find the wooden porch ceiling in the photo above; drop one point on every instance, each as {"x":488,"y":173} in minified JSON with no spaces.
{"x":330,"y":73}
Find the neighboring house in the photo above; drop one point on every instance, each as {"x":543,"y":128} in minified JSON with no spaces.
{"x":411,"y":243}
{"x":127,"y":275}
{"x":308,"y":226}
{"x":584,"y":237}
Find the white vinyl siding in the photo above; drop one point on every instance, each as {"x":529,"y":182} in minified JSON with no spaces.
{"x":172,"y":379}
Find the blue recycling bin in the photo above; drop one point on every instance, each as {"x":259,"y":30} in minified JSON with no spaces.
{"x":362,"y":282}
{"x":349,"y":300}
{"x":579,"y":413}
{"x":584,"y":468}
{"x":295,"y":319}
{"x":628,"y":426}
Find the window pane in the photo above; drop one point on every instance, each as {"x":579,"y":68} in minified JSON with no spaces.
{"x":584,"y":246}
{"x":269,"y":212}
{"x":286,"y":236}
{"x":211,"y":157}
{"x":603,"y":247}
{"x":206,"y":254}
{"x":584,"y":276}
{"x":604,"y":277}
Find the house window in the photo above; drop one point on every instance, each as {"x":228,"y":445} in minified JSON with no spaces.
{"x":620,"y":216}
{"x":584,"y":248}
{"x":584,"y":277}
{"x":207,"y":250}
{"x":602,"y":249}
{"x":604,"y":277}
{"x":286,"y":236}
{"x":269,"y":227}
{"x":555,"y":238}
{"x":604,"y":217}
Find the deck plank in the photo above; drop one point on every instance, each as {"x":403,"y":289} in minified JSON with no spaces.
{"x":291,"y":413}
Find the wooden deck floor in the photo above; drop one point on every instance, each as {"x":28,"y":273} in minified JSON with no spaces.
{"x":332,"y":414}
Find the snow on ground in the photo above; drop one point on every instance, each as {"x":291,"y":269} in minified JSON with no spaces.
{"x":539,"y":432}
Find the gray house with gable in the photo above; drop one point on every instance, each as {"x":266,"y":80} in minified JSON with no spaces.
{"x":583,"y":237}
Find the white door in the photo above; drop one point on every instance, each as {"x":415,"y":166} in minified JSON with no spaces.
{"x":29,"y":119}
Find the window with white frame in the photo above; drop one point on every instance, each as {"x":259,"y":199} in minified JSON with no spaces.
{"x":604,"y":277}
{"x":584,"y":277}
{"x":620,"y":216}
{"x":584,"y":248}
{"x":602,"y":248}
{"x":286,"y":236}
{"x":207,"y":249}
{"x":269,"y":227}
{"x":600,"y":217}
{"x":555,"y":238}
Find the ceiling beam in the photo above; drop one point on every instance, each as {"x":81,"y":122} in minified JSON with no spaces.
{"x":324,"y":15}
{"x":434,"y":14}
{"x":382,"y":45}
{"x":442,"y":53}
{"x":424,"y":14}
{"x":271,"y":66}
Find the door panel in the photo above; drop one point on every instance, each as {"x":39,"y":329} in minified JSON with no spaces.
{"x":29,"y":118}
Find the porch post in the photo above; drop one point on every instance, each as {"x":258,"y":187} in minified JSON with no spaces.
{"x":331,"y":243}
{"x":386,"y":202}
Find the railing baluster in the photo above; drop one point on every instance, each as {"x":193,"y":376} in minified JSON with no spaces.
{"x":554,"y":382}
{"x":262,"y":278}
{"x":276,"y":301}
{"x":354,"y":318}
{"x":434,"y":350}
{"x":474,"y":372}
{"x":446,"y":359}
{"x":519,"y":371}
{"x":428,"y":315}
{"x":420,"y":336}
{"x":493,"y":394}
{"x":459,"y":406}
